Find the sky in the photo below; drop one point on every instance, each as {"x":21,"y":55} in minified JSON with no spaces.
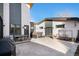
{"x":39,"y":11}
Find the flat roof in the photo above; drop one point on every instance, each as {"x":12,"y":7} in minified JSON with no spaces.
{"x":60,"y":19}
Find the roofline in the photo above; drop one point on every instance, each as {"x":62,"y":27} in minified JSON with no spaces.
{"x":59,"y":20}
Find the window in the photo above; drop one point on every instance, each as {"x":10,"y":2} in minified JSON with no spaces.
{"x":15,"y":18}
{"x":60,"y":26}
{"x":15,"y":29}
{"x":48,"y":24}
{"x":41,"y":27}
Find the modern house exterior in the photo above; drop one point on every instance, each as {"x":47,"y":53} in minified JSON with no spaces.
{"x":16,"y":18}
{"x":59,"y":27}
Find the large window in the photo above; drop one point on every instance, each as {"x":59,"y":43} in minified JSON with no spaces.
{"x":15,"y":18}
{"x":60,"y":26}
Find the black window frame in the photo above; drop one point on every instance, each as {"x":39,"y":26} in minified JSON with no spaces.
{"x":60,"y":26}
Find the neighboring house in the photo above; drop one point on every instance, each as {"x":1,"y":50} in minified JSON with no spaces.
{"x":15,"y":16}
{"x":59,"y":26}
{"x":34,"y":33}
{"x":44,"y":27}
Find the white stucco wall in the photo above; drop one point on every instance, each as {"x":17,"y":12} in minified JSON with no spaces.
{"x":70,"y":25}
{"x":71,"y":29}
{"x":55,"y":30}
{"x":6,"y":19}
{"x":25,"y":17}
{"x":38,"y":29}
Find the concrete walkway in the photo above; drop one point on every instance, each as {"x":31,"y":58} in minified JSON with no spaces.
{"x":64,"y":47}
{"x":34,"y":49}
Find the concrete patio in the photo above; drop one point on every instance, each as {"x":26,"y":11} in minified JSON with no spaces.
{"x":46,"y":47}
{"x":34,"y":49}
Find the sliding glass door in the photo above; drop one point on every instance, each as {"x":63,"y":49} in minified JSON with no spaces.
{"x":15,"y":18}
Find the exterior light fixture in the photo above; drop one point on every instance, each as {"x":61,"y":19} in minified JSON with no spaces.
{"x":25,"y":26}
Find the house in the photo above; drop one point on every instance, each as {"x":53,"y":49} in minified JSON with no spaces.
{"x":16,"y":19}
{"x":59,"y":27}
{"x":43,"y":27}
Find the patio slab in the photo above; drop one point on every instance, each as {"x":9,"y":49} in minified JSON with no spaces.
{"x":65,"y":47}
{"x":35,"y":49}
